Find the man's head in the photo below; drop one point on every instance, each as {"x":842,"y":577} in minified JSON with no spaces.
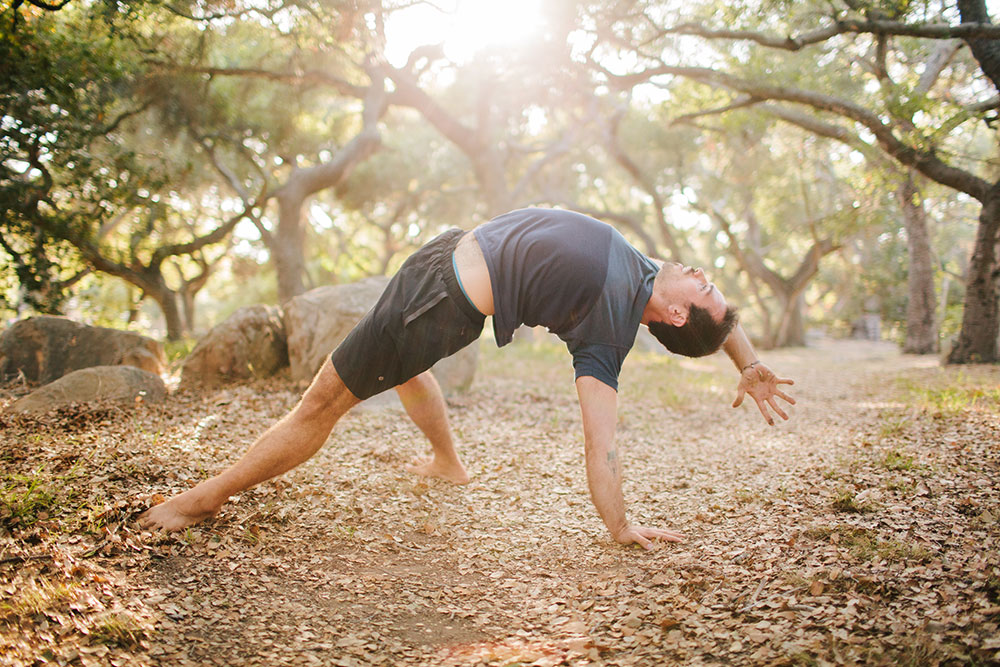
{"x":689,"y":315}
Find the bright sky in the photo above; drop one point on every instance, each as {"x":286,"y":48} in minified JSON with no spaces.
{"x":462,"y":26}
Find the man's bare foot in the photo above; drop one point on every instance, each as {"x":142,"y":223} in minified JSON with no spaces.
{"x":431,"y":467}
{"x":179,"y":512}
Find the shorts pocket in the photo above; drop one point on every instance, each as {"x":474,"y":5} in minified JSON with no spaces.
{"x":416,"y":310}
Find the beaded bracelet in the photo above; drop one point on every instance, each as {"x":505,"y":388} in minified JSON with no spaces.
{"x":750,"y":365}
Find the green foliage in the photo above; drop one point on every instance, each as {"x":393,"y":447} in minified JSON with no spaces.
{"x":119,"y":117}
{"x":952,"y":396}
{"x":177,"y":350}
{"x":23,"y":498}
{"x":37,"y":598}
{"x":28,"y":498}
{"x":846,"y":500}
{"x":896,"y":460}
{"x":893,"y":425}
{"x":865,"y":544}
{"x":118,"y":629}
{"x":68,"y":92}
{"x":59,"y":93}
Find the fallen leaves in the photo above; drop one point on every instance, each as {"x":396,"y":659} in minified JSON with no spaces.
{"x":349,"y":561}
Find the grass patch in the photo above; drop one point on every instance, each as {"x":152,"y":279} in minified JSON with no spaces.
{"x":28,"y":498}
{"x":118,"y":629}
{"x":901,"y":486}
{"x":647,"y":377}
{"x":846,"y":500}
{"x":896,"y":460}
{"x":864,"y":544}
{"x":25,"y":499}
{"x":37,"y":598}
{"x":951,"y":396}
{"x":892,"y":426}
{"x":749,"y":496}
{"x":177,"y":350}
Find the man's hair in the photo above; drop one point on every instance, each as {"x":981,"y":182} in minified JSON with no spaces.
{"x":700,"y":335}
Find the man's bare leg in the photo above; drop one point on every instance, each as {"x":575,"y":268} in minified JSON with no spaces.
{"x":422,"y":398}
{"x":288,"y":443}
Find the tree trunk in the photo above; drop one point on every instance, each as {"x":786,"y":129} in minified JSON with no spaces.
{"x":977,"y":341}
{"x":168,"y":302}
{"x":921,"y":332}
{"x":767,"y":334}
{"x":288,"y":246}
{"x":187,"y":309}
{"x":792,"y":332}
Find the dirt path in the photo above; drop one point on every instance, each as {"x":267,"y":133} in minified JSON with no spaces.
{"x":863,"y":530}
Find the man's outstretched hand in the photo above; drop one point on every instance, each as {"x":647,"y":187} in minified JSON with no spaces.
{"x":644,"y":536}
{"x":762,"y":384}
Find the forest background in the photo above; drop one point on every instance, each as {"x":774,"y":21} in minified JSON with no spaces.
{"x":164,"y":162}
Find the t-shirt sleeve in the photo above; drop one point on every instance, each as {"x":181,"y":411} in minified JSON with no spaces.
{"x":603,"y":362}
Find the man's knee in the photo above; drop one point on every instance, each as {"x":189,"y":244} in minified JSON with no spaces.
{"x":327,"y":395}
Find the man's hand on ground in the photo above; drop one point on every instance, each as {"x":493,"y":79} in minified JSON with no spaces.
{"x":762,"y":384}
{"x":645,"y":536}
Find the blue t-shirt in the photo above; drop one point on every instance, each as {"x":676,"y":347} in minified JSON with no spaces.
{"x":573,"y":274}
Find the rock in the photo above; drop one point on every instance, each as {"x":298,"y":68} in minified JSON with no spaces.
{"x":456,"y":373}
{"x":122,"y":384}
{"x":250,"y":343}
{"x":46,"y":348}
{"x":320,"y":319}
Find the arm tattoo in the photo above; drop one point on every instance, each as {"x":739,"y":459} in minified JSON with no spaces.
{"x":613,"y":462}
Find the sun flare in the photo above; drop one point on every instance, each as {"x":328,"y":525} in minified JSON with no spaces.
{"x":463,"y":27}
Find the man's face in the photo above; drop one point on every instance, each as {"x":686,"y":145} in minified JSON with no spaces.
{"x":689,"y":286}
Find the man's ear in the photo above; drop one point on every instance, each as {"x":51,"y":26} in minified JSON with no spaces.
{"x":677,"y":316}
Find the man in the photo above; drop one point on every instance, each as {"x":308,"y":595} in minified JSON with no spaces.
{"x":573,"y":274}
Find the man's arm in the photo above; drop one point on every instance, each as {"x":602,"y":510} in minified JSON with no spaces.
{"x":599,"y":406}
{"x":756,"y":379}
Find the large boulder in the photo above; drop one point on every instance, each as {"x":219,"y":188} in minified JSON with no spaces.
{"x":121,"y":384}
{"x":46,"y":348}
{"x":317,"y":321}
{"x":250,"y":343}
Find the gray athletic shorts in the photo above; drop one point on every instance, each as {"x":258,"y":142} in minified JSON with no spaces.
{"x":422,"y":316}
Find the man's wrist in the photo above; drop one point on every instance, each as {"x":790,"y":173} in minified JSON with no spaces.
{"x":750,"y":365}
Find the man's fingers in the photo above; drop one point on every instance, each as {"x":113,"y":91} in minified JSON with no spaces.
{"x":740,"y":392}
{"x":644,"y":536}
{"x":763,"y":410}
{"x":784,"y":381}
{"x":785,"y":396}
{"x":667,"y":536}
{"x":774,"y":406}
{"x":636,"y":536}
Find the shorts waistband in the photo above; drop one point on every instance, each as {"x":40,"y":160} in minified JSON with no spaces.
{"x":444,"y":266}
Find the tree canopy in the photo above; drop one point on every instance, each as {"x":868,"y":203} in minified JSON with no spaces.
{"x":825,"y":159}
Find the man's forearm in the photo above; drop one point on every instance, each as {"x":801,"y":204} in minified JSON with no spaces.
{"x":598,"y":403}
{"x":739,"y":348}
{"x":605,"y":482}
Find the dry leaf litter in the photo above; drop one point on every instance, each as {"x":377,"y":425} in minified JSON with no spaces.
{"x":864,"y":530}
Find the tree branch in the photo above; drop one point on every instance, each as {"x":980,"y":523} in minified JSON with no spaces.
{"x":925,"y":161}
{"x":840,"y":27}
{"x":305,"y":77}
